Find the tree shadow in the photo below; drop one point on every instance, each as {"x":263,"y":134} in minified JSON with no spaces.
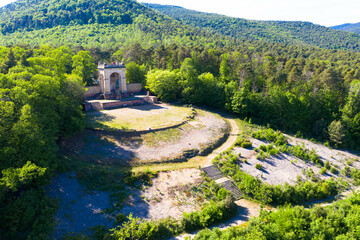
{"x":147,"y":107}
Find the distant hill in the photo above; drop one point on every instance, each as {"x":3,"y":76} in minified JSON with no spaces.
{"x":116,"y":23}
{"x":349,"y":27}
{"x":93,"y":23}
{"x":300,"y":33}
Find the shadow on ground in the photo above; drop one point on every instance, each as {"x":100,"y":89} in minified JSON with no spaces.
{"x":79,"y":209}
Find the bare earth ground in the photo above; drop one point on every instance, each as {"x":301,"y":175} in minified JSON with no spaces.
{"x":122,"y":148}
{"x":285,"y":168}
{"x":78,"y":208}
{"x":165,"y":197}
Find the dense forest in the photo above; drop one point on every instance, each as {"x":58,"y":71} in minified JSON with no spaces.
{"x":96,"y":23}
{"x":300,"y":33}
{"x":41,"y":92}
{"x":117,"y":23}
{"x":309,"y":91}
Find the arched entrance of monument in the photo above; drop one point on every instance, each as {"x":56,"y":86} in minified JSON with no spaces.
{"x":115,"y":81}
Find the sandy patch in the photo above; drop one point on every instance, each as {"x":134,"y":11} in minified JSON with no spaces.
{"x":165,"y":197}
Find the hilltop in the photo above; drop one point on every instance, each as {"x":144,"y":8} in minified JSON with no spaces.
{"x":94,"y":23}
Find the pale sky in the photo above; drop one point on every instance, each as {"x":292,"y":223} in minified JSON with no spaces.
{"x":323,"y":12}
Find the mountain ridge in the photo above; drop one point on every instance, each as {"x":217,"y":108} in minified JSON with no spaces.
{"x":115,"y":23}
{"x":291,"y":32}
{"x":348,"y":27}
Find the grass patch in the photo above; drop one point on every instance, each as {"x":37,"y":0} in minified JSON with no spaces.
{"x":136,"y":118}
{"x":170,"y":135}
{"x":191,"y":163}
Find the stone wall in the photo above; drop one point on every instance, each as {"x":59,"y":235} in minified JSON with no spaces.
{"x":92,"y":91}
{"x":109,"y":105}
{"x":133,"y":87}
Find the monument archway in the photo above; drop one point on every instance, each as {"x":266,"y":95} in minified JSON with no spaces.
{"x":112,"y":78}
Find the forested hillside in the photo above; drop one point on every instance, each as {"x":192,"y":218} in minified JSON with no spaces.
{"x":301,"y":33}
{"x":95,"y":23}
{"x":349,"y":27}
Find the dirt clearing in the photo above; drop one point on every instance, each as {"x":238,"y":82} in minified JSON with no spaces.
{"x":117,"y":147}
{"x":286,"y":168}
{"x":168,"y":196}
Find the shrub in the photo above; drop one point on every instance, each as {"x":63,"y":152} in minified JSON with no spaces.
{"x":243,"y":142}
{"x":346,"y":172}
{"x":333,"y":170}
{"x":120,"y":218}
{"x":323,"y":170}
{"x":260,"y":157}
{"x":284,"y":148}
{"x":210,"y":214}
{"x":246,"y":144}
{"x":273,"y":152}
{"x":222,"y":193}
{"x":258,"y":166}
{"x":327,"y":165}
{"x":262,"y":147}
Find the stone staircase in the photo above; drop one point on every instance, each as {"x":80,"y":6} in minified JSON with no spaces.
{"x":230,"y":186}
{"x":214,"y":173}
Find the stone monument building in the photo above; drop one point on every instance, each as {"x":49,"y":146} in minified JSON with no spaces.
{"x":112,"y":80}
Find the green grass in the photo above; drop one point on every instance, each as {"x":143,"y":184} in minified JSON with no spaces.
{"x":137,"y":119}
{"x":191,"y":163}
{"x":154,"y":138}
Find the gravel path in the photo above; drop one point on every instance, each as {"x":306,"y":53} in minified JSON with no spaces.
{"x":229,"y":142}
{"x":78,"y":209}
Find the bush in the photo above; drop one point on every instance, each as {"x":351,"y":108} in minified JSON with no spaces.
{"x":327,"y":165}
{"x":323,"y":170}
{"x":273,"y":152}
{"x":271,"y":136}
{"x":258,"y":166}
{"x":209,"y":215}
{"x":120,"y":218}
{"x":243,"y":142}
{"x":262,"y":147}
{"x":136,"y":228}
{"x":333,"y":170}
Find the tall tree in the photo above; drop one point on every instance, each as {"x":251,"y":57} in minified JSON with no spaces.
{"x":84,"y":67}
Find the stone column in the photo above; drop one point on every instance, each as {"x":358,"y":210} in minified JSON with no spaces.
{"x":107,"y":82}
{"x":123,"y":80}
